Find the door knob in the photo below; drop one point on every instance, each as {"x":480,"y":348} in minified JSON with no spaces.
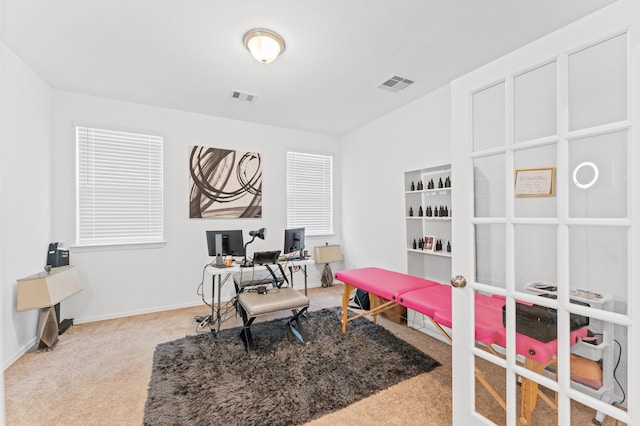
{"x":458,"y":281}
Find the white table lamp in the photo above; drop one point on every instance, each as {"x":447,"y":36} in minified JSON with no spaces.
{"x":327,"y":254}
{"x":44,"y":291}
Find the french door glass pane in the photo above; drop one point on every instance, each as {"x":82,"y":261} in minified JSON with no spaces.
{"x":488,"y":175}
{"x":598,"y":176}
{"x":598,"y":263}
{"x":486,"y":405}
{"x":490,"y":254}
{"x":598,"y":84}
{"x":534,"y":99}
{"x":600,"y":368}
{"x":489,"y":118}
{"x":536,"y":255}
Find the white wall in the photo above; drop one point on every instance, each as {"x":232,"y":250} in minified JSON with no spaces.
{"x":38,"y":201}
{"x":124,"y":282}
{"x":374,"y":159}
{"x":25,"y":186}
{"x":2,"y":111}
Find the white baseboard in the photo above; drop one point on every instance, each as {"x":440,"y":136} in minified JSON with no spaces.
{"x":23,"y":350}
{"x":117,"y":315}
{"x":82,"y":320}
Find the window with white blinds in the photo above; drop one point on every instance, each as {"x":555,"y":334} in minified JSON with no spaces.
{"x":310,"y":192}
{"x":119,"y":187}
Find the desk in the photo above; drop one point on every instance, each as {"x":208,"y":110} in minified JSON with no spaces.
{"x":214,"y":320}
{"x":302,"y":263}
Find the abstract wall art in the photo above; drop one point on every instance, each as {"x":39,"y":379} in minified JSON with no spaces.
{"x":224,"y":183}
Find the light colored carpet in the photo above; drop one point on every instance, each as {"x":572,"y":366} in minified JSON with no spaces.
{"x":99,"y":373}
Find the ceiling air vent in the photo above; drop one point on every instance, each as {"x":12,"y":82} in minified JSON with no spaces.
{"x":396,"y":83}
{"x":246,"y":97}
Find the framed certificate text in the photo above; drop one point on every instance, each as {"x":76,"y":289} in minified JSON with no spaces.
{"x":535,"y":182}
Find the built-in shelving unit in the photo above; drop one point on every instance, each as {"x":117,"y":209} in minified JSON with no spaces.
{"x":428,"y":222}
{"x":428,"y":262}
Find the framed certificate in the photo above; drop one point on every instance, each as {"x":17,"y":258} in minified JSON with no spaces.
{"x":535,"y":182}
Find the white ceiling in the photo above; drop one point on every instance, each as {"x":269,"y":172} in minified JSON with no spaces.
{"x":188,"y":54}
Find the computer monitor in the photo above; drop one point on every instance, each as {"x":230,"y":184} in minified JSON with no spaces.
{"x":232,"y":243}
{"x":293,"y":241}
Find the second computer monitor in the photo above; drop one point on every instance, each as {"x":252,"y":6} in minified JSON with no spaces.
{"x":294,"y":241}
{"x":232,"y":243}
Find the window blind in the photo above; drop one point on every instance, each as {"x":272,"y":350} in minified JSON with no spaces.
{"x":119,"y":187}
{"x":310,"y":192}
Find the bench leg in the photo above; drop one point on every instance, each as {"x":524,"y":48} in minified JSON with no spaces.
{"x":247,"y":339}
{"x":296,"y":326}
{"x":245,"y":333}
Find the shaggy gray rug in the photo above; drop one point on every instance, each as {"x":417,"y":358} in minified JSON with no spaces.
{"x":199,"y":381}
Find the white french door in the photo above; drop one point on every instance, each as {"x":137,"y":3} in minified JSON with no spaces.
{"x":545,"y":143}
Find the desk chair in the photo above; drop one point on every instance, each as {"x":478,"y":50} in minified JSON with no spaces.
{"x":265,"y":290}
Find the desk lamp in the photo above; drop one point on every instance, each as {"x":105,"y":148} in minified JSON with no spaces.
{"x":260,"y":233}
{"x":327,"y":254}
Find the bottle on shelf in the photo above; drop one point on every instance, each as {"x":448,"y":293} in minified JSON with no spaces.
{"x":420,"y":212}
{"x":440,"y":184}
{"x":410,"y":211}
{"x":415,"y":244}
{"x":448,"y":246}
{"x":413,"y":186}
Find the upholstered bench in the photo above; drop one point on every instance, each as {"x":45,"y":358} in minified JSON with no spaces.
{"x":275,"y":299}
{"x":262,"y":291}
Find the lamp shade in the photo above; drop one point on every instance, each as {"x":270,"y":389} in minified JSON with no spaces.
{"x":264,"y":45}
{"x":327,"y":254}
{"x":47,"y":289}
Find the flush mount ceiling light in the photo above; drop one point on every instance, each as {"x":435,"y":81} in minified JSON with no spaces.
{"x":264,"y":45}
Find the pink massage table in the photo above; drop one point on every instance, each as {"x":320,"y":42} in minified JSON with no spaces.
{"x":388,"y":288}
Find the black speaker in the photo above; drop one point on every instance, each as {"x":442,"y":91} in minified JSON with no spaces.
{"x":57,"y":257}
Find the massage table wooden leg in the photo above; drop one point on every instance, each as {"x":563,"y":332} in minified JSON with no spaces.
{"x":346,"y":294}
{"x":441,"y":330}
{"x":483,"y":381}
{"x":374,"y":311}
{"x":490,"y":389}
{"x":374,"y":303}
{"x":530,"y":392}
